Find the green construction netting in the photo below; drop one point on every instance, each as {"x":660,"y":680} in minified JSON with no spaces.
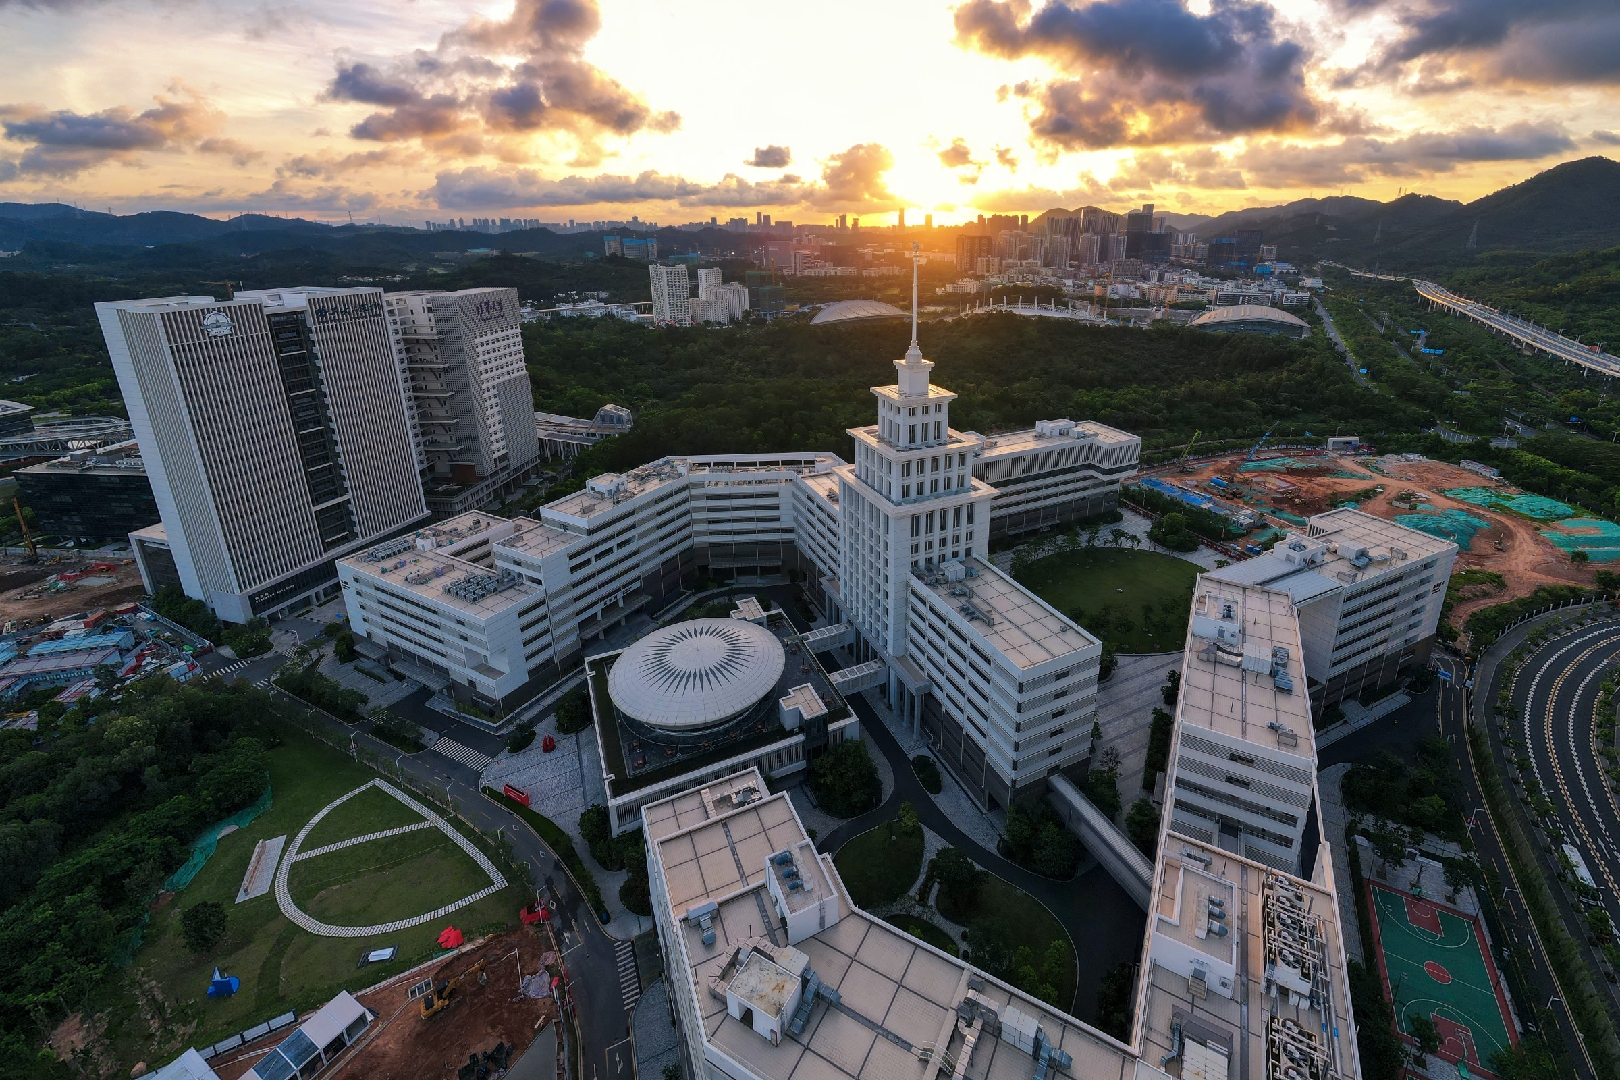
{"x":1280,"y":464}
{"x":1286,"y":516}
{"x":1598,"y":538}
{"x":1458,"y":526}
{"x":1531,"y":506}
{"x":202,"y":849}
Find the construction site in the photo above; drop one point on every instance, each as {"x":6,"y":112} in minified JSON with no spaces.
{"x":1525,"y":538}
{"x":488,"y":1009}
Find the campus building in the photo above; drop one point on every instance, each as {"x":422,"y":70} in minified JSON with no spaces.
{"x":471,"y":403}
{"x":1368,"y":594}
{"x":276,"y":434}
{"x":101,"y":492}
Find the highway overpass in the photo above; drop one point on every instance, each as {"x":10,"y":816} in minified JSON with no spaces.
{"x":1526,"y":333}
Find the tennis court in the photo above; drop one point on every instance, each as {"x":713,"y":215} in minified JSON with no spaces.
{"x":1434,"y":962}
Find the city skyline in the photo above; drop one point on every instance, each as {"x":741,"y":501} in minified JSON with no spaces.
{"x":564,"y":109}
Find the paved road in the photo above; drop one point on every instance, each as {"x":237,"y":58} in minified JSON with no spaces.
{"x":1522,"y":950}
{"x":1344,"y":350}
{"x":1102,"y":921}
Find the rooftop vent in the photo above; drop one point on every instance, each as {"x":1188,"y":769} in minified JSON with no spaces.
{"x":703,"y":917}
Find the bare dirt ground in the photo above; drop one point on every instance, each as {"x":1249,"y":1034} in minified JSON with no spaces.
{"x":24,"y":598}
{"x":1513,"y":546}
{"x":400,"y":1045}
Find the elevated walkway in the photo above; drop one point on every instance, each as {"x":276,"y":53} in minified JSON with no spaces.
{"x":829,"y":637}
{"x":853,"y":680}
{"x":1111,"y":847}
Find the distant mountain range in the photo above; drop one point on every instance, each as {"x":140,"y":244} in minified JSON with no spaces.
{"x":1569,"y":207}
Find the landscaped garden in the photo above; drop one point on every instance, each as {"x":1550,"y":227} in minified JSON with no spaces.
{"x":281,"y":966}
{"x":1135,"y":600}
{"x":878,"y":866}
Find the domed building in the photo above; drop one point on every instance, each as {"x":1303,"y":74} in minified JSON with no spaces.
{"x":701,"y":698}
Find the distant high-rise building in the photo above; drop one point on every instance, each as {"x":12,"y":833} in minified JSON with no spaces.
{"x":671,"y":295}
{"x":900,"y":218}
{"x":1117,"y":247}
{"x":970,"y":249}
{"x":928,"y":221}
{"x":1089,"y":249}
{"x":275,"y":429}
{"x":472,"y":402}
{"x":706,"y":280}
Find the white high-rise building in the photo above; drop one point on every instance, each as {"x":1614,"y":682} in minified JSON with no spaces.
{"x":472,"y":402}
{"x":671,"y":295}
{"x":276,"y":433}
{"x":708,"y":279}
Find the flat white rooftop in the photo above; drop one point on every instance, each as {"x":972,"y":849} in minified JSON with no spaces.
{"x":1013,"y":620}
{"x":1229,"y":683}
{"x":904,"y":992}
{"x":1010,"y":443}
{"x":465,"y":586}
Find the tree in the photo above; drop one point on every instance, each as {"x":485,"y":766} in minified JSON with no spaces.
{"x":928,"y":774}
{"x":906,"y":823}
{"x":1119,"y":536}
{"x":1142,"y":826}
{"x":1172,"y":531}
{"x":203,"y":925}
{"x":959,"y":881}
{"x":1579,"y":557}
{"x":844,"y":780}
{"x":1171,"y":688}
{"x":1105,"y":666}
{"x":672,"y":1071}
{"x":1158,"y":749}
{"x":1422,"y":1029}
{"x":1102,"y":787}
{"x":574,"y":712}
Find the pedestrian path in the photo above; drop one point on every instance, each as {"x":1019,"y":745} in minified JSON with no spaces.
{"x":464,"y":754}
{"x":235,"y":665}
{"x":629,"y":979}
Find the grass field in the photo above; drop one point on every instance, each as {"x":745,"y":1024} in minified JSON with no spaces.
{"x":1106,"y":589}
{"x":368,"y":812}
{"x":878,"y":868}
{"x":1435,"y":963}
{"x":161,"y":1008}
{"x":383,"y":880}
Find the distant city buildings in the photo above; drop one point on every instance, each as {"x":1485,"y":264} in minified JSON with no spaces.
{"x":94,"y":493}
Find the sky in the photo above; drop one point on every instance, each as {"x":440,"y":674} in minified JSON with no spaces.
{"x":411,"y":110}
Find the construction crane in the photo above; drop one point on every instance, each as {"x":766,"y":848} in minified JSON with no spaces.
{"x":1256,"y":449}
{"x":1181,"y":462}
{"x":438,"y":999}
{"x":230,"y":289}
{"x":33,"y":552}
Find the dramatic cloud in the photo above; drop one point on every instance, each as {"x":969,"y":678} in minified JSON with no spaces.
{"x":1359,"y":158}
{"x":1006,"y":159}
{"x":61,"y":143}
{"x":1151,"y":72}
{"x":1460,"y":43}
{"x":470,"y":96}
{"x":852,"y":179}
{"x":327,"y":165}
{"x":1150,"y":169}
{"x":1607,"y":138}
{"x":771,"y":157}
{"x":959,"y":156}
{"x":481,"y":188}
{"x":1087,"y":191}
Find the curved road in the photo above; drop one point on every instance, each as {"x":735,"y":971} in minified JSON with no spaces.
{"x":1102,"y":921}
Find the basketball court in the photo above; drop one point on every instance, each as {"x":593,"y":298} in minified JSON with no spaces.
{"x":1434,"y":962}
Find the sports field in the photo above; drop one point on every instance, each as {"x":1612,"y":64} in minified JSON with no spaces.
{"x":1435,"y":963}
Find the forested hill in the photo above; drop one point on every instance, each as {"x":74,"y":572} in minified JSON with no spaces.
{"x":1569,"y":207}
{"x":788,"y":386}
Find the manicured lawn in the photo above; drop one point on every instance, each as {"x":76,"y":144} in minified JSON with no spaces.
{"x":368,"y":812}
{"x":281,"y":966}
{"x":1107,"y":588}
{"x":923,"y":930}
{"x":878,"y":867}
{"x":384,"y":880}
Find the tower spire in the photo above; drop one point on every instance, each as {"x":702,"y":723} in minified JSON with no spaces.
{"x":914,"y":248}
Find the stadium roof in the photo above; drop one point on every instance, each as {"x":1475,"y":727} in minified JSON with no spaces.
{"x":1222,"y":318}
{"x":696,"y":673}
{"x":850,"y":311}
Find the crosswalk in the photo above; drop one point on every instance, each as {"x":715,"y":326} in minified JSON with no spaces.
{"x":464,"y":754}
{"x":629,"y":979}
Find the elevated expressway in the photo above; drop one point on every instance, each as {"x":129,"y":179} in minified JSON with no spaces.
{"x":1526,"y":333}
{"x":1555,"y":695}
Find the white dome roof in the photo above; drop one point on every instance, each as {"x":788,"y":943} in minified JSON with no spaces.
{"x":696,"y":673}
